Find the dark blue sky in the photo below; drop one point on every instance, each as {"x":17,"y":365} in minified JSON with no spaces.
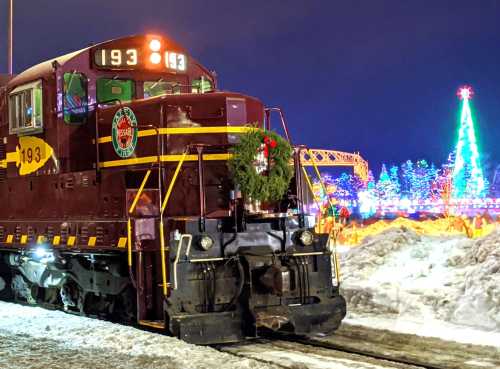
{"x":375,"y":76}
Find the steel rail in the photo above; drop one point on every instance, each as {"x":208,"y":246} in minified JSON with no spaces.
{"x":295,"y":348}
{"x":426,"y":352}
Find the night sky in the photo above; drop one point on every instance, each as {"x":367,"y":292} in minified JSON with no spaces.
{"x":375,"y":76}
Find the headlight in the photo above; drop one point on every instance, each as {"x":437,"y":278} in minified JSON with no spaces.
{"x":206,"y":242}
{"x":306,"y":238}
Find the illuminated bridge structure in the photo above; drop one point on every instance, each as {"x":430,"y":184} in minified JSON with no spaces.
{"x":332,"y":158}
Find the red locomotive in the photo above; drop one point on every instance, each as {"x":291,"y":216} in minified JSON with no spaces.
{"x":117,"y":200}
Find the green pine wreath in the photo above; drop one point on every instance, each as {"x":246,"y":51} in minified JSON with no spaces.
{"x":273,"y":184}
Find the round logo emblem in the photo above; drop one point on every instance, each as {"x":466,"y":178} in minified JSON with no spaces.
{"x":124,"y":132}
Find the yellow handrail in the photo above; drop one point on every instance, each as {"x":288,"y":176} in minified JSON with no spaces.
{"x":163,"y":263}
{"x":309,"y":184}
{"x":174,"y":178}
{"x":321,"y":180}
{"x":129,"y":242}
{"x":334,"y":253}
{"x":139,"y":193}
{"x":162,"y":232}
{"x":337,"y":266}
{"x":130,"y":211}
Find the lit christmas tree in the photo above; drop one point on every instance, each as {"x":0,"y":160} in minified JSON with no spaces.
{"x":407,"y":179}
{"x":382,"y":184}
{"x":385,"y":187}
{"x":395,"y":181}
{"x":368,"y":197}
{"x":344,"y":190}
{"x":421,"y":186}
{"x":468,"y":180}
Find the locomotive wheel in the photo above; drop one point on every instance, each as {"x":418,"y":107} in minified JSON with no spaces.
{"x":6,"y":292}
{"x":125,"y":306}
{"x":5,"y":288}
{"x":32,"y":295}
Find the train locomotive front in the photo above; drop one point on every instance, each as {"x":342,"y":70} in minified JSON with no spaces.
{"x":118,"y":201}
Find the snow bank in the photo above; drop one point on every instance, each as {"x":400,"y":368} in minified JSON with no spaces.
{"x":32,"y":337}
{"x":404,"y":275}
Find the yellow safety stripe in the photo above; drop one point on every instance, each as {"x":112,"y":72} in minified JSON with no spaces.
{"x":185,"y":131}
{"x":71,"y":240}
{"x":122,"y":242}
{"x":133,"y":161}
{"x":163,"y":158}
{"x":92,"y":241}
{"x":11,"y":157}
{"x":56,"y":241}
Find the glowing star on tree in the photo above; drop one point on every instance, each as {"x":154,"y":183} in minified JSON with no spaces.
{"x":468,"y":180}
{"x":465,"y":92}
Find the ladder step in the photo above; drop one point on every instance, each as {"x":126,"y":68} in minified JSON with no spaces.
{"x":158,"y":324}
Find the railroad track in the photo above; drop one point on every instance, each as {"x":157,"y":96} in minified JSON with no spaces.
{"x":294,"y":355}
{"x":361,"y":347}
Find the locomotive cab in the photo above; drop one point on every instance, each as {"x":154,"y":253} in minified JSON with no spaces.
{"x":118,"y":201}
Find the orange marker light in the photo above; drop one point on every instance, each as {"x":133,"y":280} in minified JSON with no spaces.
{"x":155,"y":58}
{"x":155,"y":45}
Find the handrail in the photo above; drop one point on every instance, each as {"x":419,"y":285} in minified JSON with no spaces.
{"x":162,"y":232}
{"x":163,"y":263}
{"x":172,"y":182}
{"x":309,"y":184}
{"x":267,"y":124}
{"x":334,"y":252}
{"x":321,"y":181}
{"x":178,"y":255}
{"x":139,"y":193}
{"x":129,"y":242}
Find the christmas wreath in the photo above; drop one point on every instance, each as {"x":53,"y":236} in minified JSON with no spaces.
{"x":260,"y":165}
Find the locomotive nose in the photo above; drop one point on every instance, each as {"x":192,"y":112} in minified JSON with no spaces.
{"x":271,"y":321}
{"x":276,"y":280}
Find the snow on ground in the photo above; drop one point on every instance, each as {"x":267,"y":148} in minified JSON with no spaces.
{"x":35,"y":338}
{"x":442,"y":286}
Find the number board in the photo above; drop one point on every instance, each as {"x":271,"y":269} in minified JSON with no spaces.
{"x":134,"y":58}
{"x":31,"y":154}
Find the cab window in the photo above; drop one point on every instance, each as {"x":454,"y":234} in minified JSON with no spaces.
{"x":75,"y":98}
{"x":25,"y":109}
{"x":157,"y":88}
{"x":201,"y":85}
{"x":114,"y":90}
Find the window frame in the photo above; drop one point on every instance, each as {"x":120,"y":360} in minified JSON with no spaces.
{"x":175,"y":87}
{"x":200,"y":85}
{"x":133,"y":92}
{"x":19,"y":94}
{"x":69,"y":110}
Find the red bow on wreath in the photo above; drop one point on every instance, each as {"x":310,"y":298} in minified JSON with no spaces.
{"x":268,"y":143}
